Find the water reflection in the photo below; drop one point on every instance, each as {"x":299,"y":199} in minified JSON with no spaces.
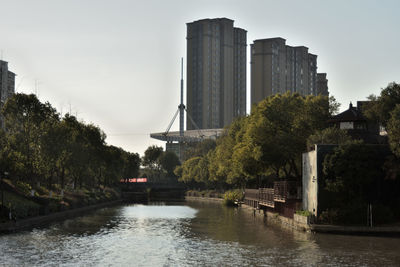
{"x":196,"y":234}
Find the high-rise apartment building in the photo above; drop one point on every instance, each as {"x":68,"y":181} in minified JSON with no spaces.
{"x":7,"y":86}
{"x":322,"y":84}
{"x":278,"y":68}
{"x":7,"y":82}
{"x":216,"y":73}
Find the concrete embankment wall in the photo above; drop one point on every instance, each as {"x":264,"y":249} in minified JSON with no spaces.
{"x":46,"y":219}
{"x":274,"y":218}
{"x":271,"y":217}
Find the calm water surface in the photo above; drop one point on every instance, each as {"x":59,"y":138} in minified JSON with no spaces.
{"x":188,"y":234}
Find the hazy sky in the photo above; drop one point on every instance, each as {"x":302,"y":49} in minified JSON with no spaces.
{"x":116,"y":63}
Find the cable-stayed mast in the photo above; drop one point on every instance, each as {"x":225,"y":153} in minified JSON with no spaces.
{"x":176,"y":140}
{"x":181,"y":105}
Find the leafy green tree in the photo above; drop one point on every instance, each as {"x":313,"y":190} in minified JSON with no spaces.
{"x":393,"y":130}
{"x":353,"y":177}
{"x":194,"y":169}
{"x":53,"y":144}
{"x":380,"y":108}
{"x":96,"y":149}
{"x":168,"y":161}
{"x":333,"y":105}
{"x":276,"y":134}
{"x":332,"y":135}
{"x":199,"y":149}
{"x":25,"y":118}
{"x":151,"y":157}
{"x":76,"y":156}
{"x":269,"y":141}
{"x":224,"y":167}
{"x":132,"y":165}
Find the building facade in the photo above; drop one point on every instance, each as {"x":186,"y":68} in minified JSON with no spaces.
{"x":7,"y":86}
{"x":7,"y":82}
{"x":277,"y":68}
{"x":216,"y":73}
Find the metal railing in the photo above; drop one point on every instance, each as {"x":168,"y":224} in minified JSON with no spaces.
{"x":267,"y":197}
{"x":284,"y":190}
{"x":251,"y":194}
{"x":281,"y":192}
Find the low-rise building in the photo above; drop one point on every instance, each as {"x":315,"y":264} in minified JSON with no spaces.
{"x":357,"y":125}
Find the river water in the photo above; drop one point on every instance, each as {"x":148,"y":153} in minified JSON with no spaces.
{"x":187,"y":234}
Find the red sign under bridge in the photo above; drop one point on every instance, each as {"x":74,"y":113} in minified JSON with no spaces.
{"x":134,"y":180}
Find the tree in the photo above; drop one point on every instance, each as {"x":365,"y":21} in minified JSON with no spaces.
{"x":199,"y":149}
{"x":222,"y":167}
{"x":276,"y":134}
{"x":194,"y":169}
{"x":76,"y":157}
{"x":26,"y":119}
{"x":353,"y":177}
{"x":380,"y":108}
{"x":332,"y":135}
{"x":96,"y":150}
{"x":393,"y":130}
{"x":132,"y":165}
{"x":168,"y":161}
{"x":151,"y":157}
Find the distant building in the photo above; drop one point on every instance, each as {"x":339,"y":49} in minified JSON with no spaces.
{"x":277,"y":68}
{"x":322,"y":84}
{"x":7,"y":82}
{"x":216,"y":73}
{"x":178,"y":143}
{"x":7,"y":86}
{"x":357,"y":126}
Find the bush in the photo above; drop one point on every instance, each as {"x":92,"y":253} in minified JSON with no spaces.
{"x":303,"y":213}
{"x":230,"y":197}
{"x":24,"y":188}
{"x":328,"y":216}
{"x":42,"y":191}
{"x":20,"y":206}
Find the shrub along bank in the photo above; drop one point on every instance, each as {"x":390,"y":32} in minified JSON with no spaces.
{"x":21,"y":201}
{"x":229,"y":197}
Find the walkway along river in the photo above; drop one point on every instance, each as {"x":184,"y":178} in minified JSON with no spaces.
{"x":187,"y":234}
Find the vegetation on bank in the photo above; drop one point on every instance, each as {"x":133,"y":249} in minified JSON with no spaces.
{"x":20,"y":203}
{"x":261,"y":147}
{"x":229,"y":197}
{"x":56,"y":161}
{"x":159,"y":165}
{"x":267,"y":146}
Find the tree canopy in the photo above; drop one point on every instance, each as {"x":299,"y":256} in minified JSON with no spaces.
{"x":268,"y":142}
{"x":40,"y":147}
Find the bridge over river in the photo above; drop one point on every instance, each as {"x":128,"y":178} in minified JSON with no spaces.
{"x":143,"y":190}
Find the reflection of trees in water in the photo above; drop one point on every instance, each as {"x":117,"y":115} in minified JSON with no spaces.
{"x":171,"y":236}
{"x":92,"y":223}
{"x":238,"y":225}
{"x":264,"y":242}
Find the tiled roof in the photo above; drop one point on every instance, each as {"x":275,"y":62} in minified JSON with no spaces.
{"x":352,"y":114}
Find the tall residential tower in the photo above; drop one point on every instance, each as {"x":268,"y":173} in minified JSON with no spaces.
{"x":7,"y":82}
{"x":278,"y":68}
{"x":216,"y":73}
{"x":7,"y":86}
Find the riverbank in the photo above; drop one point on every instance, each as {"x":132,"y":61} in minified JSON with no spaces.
{"x":392,"y":231}
{"x":298,"y":224}
{"x":29,"y":223}
{"x":213,"y":199}
{"x":271,"y":217}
